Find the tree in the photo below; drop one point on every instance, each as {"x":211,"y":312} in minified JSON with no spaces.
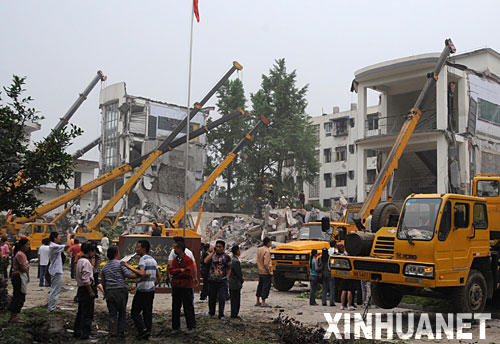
{"x":25,"y":170}
{"x":285,"y":149}
{"x":222,"y":139}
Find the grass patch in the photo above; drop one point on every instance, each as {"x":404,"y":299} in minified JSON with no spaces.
{"x":425,"y":301}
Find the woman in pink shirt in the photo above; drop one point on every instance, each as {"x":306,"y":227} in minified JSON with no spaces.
{"x":4,"y":256}
{"x":20,"y":278}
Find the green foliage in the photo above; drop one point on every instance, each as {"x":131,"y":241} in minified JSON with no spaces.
{"x":112,"y":232}
{"x":287,"y":147}
{"x":24,"y":171}
{"x":224,"y":138}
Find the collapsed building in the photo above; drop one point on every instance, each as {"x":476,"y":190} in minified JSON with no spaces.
{"x":457,"y":137}
{"x":133,"y":126}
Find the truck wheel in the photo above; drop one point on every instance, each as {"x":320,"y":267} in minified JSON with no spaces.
{"x":282,"y":284}
{"x":385,"y":296}
{"x":471,"y":298}
{"x":381,"y":214}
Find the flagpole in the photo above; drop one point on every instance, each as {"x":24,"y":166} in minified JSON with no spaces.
{"x":188,"y":124}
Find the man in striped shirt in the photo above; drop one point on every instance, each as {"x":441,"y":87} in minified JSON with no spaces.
{"x":116,"y":292}
{"x":145,"y":290}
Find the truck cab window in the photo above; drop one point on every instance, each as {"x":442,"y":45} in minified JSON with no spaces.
{"x":445,"y":225}
{"x":418,"y":219}
{"x":480,"y":217}
{"x":461,"y":215}
{"x":487,"y":188}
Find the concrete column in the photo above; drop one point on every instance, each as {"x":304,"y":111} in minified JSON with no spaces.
{"x":463,"y":154}
{"x":361,"y":113}
{"x":360,"y":173}
{"x":442,"y":164}
{"x":463,"y":104}
{"x":442,"y":99}
{"x":382,"y":122}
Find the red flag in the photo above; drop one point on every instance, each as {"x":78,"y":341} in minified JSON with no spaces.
{"x":196,"y":12}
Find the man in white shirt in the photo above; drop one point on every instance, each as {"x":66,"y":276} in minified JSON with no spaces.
{"x":43,"y":260}
{"x":56,"y":267}
{"x":105,"y":245}
{"x":188,"y":253}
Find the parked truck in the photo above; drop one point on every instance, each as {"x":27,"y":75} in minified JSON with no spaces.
{"x":444,"y":245}
{"x":291,"y":260}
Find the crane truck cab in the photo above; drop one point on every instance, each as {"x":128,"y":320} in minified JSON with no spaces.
{"x":36,"y":232}
{"x":441,"y":243}
{"x":291,"y":260}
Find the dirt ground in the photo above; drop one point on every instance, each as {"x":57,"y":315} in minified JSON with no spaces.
{"x":257,"y":324}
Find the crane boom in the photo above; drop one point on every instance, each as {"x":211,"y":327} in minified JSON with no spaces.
{"x":164,"y":147}
{"x":79,"y":153}
{"x":118,"y":171}
{"x":216,"y":173}
{"x":404,"y":135}
{"x":81,"y":98}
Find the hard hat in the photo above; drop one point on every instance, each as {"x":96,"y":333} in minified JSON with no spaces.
{"x":270,"y":185}
{"x":260,"y":198}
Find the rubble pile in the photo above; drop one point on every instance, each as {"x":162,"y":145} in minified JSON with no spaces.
{"x":281,"y":225}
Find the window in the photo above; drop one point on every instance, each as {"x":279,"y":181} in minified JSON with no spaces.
{"x":371,"y":175}
{"x":340,"y":127}
{"x":328,"y":180}
{"x":487,"y":188}
{"x":314,"y":188}
{"x":327,"y":155}
{"x":351,"y":175}
{"x":38,"y":229}
{"x":489,"y":111}
{"x":341,"y":153}
{"x":341,"y":179}
{"x":445,"y":225}
{"x":418,"y":218}
{"x":78,"y":180}
{"x":351,"y":121}
{"x":110,"y":144}
{"x":461,"y":215}
{"x":351,"y":149}
{"x":370,"y":153}
{"x":372,"y":121}
{"x":480,"y":217}
{"x":328,"y":128}
{"x":327,"y":203}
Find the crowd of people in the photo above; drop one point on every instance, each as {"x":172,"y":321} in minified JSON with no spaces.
{"x":222,"y":281}
{"x":221,"y":272}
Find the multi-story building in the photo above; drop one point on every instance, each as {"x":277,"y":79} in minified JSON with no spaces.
{"x":336,"y":154}
{"x":458,"y":134}
{"x":133,"y":126}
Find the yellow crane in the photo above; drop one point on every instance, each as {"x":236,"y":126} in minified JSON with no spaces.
{"x":216,"y":173}
{"x":147,"y":161}
{"x":382,"y":211}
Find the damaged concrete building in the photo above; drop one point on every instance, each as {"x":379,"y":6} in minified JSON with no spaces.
{"x":458,"y":135}
{"x":133,"y":126}
{"x":336,"y":153}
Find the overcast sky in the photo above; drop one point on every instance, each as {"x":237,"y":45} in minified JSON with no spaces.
{"x":60,"y":45}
